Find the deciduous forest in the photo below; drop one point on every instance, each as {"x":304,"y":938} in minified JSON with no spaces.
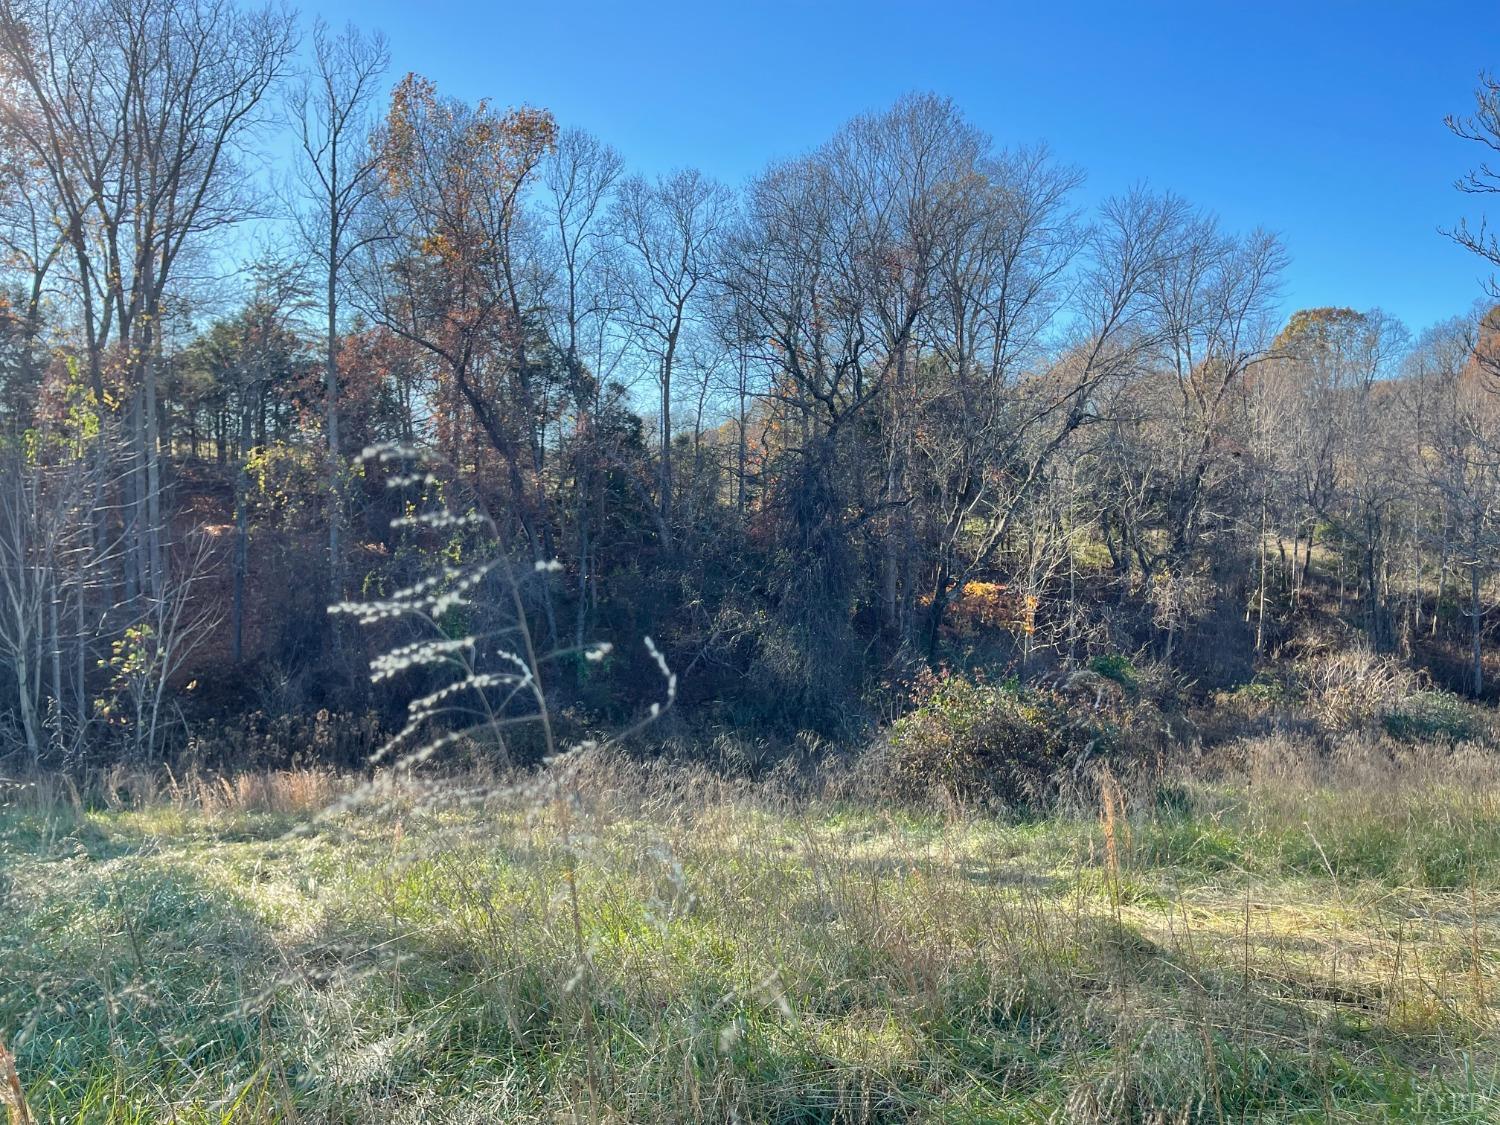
{"x":896,"y":407}
{"x":896,"y":540}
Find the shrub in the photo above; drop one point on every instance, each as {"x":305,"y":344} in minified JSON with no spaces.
{"x":1433,"y":716}
{"x":1267,"y":688}
{"x":1117,"y":667}
{"x":971,"y":742}
{"x":1354,"y":686}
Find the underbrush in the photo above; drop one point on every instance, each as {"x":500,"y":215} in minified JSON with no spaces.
{"x":968,"y":743}
{"x":1331,"y":690}
{"x":1286,"y":936}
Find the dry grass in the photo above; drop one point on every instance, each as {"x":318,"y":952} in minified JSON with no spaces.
{"x":11,"y":1092}
{"x":1289,"y":941}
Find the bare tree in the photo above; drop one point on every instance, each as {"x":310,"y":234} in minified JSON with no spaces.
{"x":339,"y":174}
{"x":1483,"y":128}
{"x":30,"y":244}
{"x":137,"y":111}
{"x":1454,"y":414}
{"x":149,"y":654}
{"x":37,"y":510}
{"x":982,"y":414}
{"x":1339,"y":457}
{"x":578,"y":181}
{"x":670,"y":230}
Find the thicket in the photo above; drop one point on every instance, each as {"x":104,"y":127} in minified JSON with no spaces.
{"x":895,"y":408}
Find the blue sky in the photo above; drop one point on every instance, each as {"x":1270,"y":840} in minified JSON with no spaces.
{"x":1321,"y":121}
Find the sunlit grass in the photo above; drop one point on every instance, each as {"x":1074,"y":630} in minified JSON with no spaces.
{"x":1273,"y":947}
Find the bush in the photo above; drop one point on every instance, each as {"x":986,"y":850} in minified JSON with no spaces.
{"x":1266,"y":688}
{"x":971,"y":742}
{"x":1433,"y":716}
{"x":1117,"y":667}
{"x":1354,"y":686}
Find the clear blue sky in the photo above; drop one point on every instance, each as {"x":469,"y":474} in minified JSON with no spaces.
{"x":1321,"y":121}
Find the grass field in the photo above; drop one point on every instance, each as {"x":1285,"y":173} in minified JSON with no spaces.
{"x":1292,"y":944}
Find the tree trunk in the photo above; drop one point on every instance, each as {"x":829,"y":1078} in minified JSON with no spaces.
{"x":131,"y":508}
{"x":331,"y":380}
{"x":241,"y":541}
{"x":151,"y":448}
{"x":55,"y":651}
{"x":1476,"y":631}
{"x":666,"y":431}
{"x":28,"y":708}
{"x":81,"y":650}
{"x":1260,"y":596}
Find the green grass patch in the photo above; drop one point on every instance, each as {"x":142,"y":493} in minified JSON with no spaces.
{"x":1273,"y":951}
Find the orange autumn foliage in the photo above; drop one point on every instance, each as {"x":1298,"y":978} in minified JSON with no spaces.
{"x":987,"y":605}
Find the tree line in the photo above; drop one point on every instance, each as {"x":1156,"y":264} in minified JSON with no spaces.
{"x":901,"y":401}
